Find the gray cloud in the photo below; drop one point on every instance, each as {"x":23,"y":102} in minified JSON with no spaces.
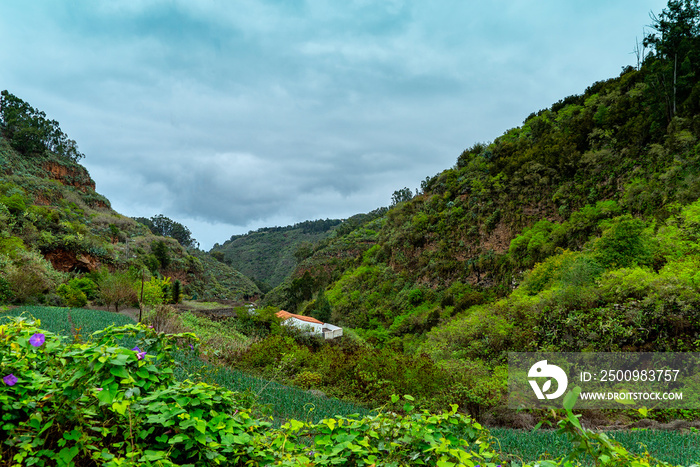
{"x":233,"y":116}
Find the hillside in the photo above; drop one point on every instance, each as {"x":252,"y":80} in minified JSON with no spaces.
{"x":613,"y":152}
{"x":54,"y":226}
{"x":270,"y":254}
{"x":576,"y":231}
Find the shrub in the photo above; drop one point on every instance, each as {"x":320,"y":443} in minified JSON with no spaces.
{"x":6,"y":294}
{"x":623,"y":243}
{"x":154,"y":291}
{"x":30,"y":276}
{"x":86,"y":285}
{"x":72,"y":297}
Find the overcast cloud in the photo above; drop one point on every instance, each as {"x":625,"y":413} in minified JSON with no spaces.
{"x":232,"y":115}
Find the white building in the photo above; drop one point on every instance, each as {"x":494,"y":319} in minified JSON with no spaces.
{"x":309,"y":324}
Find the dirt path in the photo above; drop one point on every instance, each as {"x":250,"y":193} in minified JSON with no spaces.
{"x":132,"y":313}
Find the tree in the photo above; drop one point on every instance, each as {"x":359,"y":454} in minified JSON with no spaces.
{"x":166,"y":227}
{"x":219,"y":256}
{"x":176,"y":291}
{"x":160,"y":251}
{"x":31,"y":133}
{"x":675,"y":34}
{"x":322,"y":308}
{"x":301,"y":288}
{"x":399,"y":196}
{"x":117,"y":288}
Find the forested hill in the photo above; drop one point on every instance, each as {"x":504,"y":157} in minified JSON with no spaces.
{"x":270,"y":254}
{"x":57,"y":233}
{"x":598,"y":176}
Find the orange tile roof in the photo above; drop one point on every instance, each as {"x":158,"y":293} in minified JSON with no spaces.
{"x":284,"y":315}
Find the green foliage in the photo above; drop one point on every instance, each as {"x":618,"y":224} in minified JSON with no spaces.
{"x":29,"y":276}
{"x":593,"y":446}
{"x":99,"y":402}
{"x":6,"y":294}
{"x":301,"y":288}
{"x":154,"y":291}
{"x":117,"y":288}
{"x":400,"y":196}
{"x":16,"y":204}
{"x":322,"y":308}
{"x":166,"y":227}
{"x":565,"y":269}
{"x":31,"y":133}
{"x":160,"y":252}
{"x":85,"y":285}
{"x":219,"y":280}
{"x":120,"y":407}
{"x":176,"y":292}
{"x":623,"y":243}
{"x":71,"y":296}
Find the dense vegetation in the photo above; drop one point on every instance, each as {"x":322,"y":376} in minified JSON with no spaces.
{"x":117,"y":397}
{"x":577,"y":231}
{"x":55,"y":229}
{"x":269,"y":254}
{"x":574,"y":231}
{"x":31,"y":133}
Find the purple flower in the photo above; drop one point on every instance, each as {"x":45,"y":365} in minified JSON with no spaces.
{"x":98,"y":389}
{"x":10,"y":380}
{"x":139,"y":353}
{"x":37,"y":340}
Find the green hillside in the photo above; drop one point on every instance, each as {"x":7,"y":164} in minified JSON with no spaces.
{"x":576,"y":231}
{"x":270,"y":254}
{"x":55,"y":229}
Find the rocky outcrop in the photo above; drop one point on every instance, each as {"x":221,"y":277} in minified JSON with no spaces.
{"x":76,"y":176}
{"x":67,"y":261}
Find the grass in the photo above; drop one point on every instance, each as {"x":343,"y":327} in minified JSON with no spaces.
{"x":206,"y":328}
{"x":675,"y":447}
{"x":197,"y":305}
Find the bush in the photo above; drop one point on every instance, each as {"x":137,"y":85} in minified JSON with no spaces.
{"x":6,"y":294}
{"x":85,"y":285}
{"x":30,"y":275}
{"x":72,"y":297}
{"x":623,"y":243}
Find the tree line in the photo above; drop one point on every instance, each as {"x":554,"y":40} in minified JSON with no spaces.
{"x":31,"y":133}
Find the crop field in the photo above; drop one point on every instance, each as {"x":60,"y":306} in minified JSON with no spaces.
{"x":284,"y":402}
{"x":674,"y":447}
{"x":66,"y":321}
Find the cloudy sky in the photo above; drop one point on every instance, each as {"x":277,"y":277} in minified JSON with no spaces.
{"x":232,"y":115}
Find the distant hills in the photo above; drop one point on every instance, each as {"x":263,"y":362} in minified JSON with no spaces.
{"x":269,"y":255}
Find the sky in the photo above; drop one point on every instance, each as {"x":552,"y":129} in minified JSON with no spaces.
{"x":228,"y":116}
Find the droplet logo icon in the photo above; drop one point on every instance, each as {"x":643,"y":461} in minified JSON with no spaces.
{"x":543,"y":370}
